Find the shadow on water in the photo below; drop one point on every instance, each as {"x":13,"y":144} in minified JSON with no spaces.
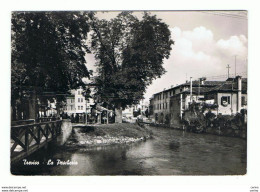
{"x":169,"y":152}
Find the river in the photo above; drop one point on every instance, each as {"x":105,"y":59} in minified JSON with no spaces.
{"x":168,"y":152}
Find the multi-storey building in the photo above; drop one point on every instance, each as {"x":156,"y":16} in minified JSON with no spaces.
{"x":80,"y":101}
{"x":76,"y":103}
{"x":162,"y":100}
{"x":168,"y":106}
{"x":70,"y":105}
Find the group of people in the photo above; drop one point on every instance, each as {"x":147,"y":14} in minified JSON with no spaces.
{"x":75,"y":118}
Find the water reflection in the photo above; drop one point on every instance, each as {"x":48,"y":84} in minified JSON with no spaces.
{"x":170,"y":152}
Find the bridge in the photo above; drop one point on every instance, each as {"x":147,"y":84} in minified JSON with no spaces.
{"x":28,"y":138}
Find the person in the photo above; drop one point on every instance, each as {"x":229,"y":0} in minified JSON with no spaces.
{"x":72,"y":118}
{"x":84,"y":118}
{"x":77,"y":118}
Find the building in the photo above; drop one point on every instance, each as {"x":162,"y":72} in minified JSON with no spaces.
{"x":80,"y":101}
{"x":164,"y":100}
{"x":77,"y":104}
{"x":169,"y":105}
{"x":128,"y":112}
{"x":230,"y":96}
{"x":139,"y":108}
{"x":70,"y":105}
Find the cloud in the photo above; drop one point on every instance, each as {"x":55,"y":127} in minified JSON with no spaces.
{"x":197,"y":53}
{"x":235,"y":45}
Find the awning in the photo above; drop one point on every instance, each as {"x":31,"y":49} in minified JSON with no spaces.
{"x":100,"y":108}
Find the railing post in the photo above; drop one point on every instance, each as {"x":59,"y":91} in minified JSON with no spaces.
{"x":38,"y":135}
{"x":47,"y":131}
{"x":26,"y":139}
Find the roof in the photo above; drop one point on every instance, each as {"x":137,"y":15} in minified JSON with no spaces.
{"x":230,"y":86}
{"x":206,"y":83}
{"x":195,"y":84}
{"x":196,"y":90}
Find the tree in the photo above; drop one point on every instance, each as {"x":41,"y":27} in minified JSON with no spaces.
{"x":129,"y":54}
{"x":48,"y":50}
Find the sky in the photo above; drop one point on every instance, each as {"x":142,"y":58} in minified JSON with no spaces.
{"x":205,"y":42}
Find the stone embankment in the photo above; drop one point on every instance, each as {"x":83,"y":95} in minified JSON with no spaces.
{"x":102,"y":135}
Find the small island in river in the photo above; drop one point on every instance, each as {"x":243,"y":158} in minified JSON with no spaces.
{"x":107,"y":134}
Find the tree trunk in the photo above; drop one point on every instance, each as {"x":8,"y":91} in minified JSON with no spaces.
{"x":13,"y":113}
{"x":118,"y":113}
{"x":20,"y":110}
{"x":58,"y":108}
{"x":32,"y":106}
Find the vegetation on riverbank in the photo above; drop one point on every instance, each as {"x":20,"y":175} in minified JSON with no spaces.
{"x":98,"y":135}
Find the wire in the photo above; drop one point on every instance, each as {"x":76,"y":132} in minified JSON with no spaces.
{"x":227,"y":14}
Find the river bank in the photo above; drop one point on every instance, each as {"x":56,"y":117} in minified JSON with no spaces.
{"x":220,"y":131}
{"x":107,"y":134}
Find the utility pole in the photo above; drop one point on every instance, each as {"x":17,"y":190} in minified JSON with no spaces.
{"x":191,"y":89}
{"x":228,"y":67}
{"x":235,"y":65}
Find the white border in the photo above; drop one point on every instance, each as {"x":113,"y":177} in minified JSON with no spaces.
{"x":129,"y":183}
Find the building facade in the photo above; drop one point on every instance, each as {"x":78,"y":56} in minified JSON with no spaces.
{"x":230,"y":96}
{"x":77,"y":104}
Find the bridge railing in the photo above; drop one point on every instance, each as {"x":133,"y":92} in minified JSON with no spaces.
{"x":45,"y":119}
{"x":22,"y":122}
{"x":25,"y":139}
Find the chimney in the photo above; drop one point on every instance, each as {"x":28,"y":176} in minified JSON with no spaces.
{"x":239,"y":92}
{"x":202,"y":80}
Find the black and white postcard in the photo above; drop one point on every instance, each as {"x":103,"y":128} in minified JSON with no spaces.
{"x":129,"y":93}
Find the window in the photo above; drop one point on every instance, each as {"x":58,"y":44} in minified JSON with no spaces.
{"x":79,"y":100}
{"x":160,"y":106}
{"x":81,"y":107}
{"x":82,"y":100}
{"x":78,"y":107}
{"x":163,"y":105}
{"x":166,"y":105}
{"x":225,"y":100}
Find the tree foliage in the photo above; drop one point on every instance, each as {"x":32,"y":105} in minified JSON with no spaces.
{"x":129,"y":54}
{"x":48,"y":50}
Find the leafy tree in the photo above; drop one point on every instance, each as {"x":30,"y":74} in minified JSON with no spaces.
{"x":48,"y":50}
{"x":129,"y":54}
